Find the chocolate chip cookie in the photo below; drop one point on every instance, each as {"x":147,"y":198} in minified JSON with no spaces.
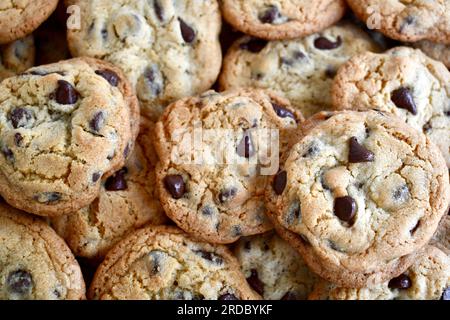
{"x":35,"y":263}
{"x":62,"y":128}
{"x":168,"y":49}
{"x":216,"y":153}
{"x":16,"y":57}
{"x":437,"y":51}
{"x":427,"y":279}
{"x":20,"y":18}
{"x":273,"y":268}
{"x":407,"y":21}
{"x":127,"y":201}
{"x":163,"y":263}
{"x":402,"y":81}
{"x":441,"y":238}
{"x":301,"y":70}
{"x":358,"y":195}
{"x":282,"y":19}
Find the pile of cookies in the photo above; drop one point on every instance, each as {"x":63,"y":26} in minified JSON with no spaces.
{"x":310,"y":161}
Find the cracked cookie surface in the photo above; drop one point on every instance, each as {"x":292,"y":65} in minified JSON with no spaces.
{"x":18,"y":18}
{"x":213,"y":187}
{"x":62,"y":127}
{"x":427,"y":279}
{"x":282,"y":19}
{"x":273,"y":268}
{"x":16,"y":57}
{"x":35,"y":263}
{"x":407,"y":20}
{"x":404,"y":82}
{"x":163,"y":263}
{"x":161,"y":45}
{"x":358,"y":195}
{"x":300,"y":70}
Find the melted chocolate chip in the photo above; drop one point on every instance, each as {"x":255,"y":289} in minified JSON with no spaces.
{"x":255,"y":282}
{"x":20,"y":117}
{"x":227,"y":194}
{"x":109,"y":76}
{"x":20,"y":282}
{"x":269,"y":15}
{"x":117,"y":181}
{"x":210,"y":256}
{"x":401,"y":282}
{"x":245,"y":147}
{"x":175,"y":185}
{"x":282,"y":112}
{"x":279,"y":182}
{"x":345,"y":208}
{"x":186,"y":31}
{"x":359,"y":153}
{"x":158,"y":10}
{"x":323,"y":43}
{"x":403,"y":99}
{"x":228,"y":296}
{"x":97,"y":122}
{"x":253,"y":45}
{"x":65,"y":93}
{"x":18,"y":139}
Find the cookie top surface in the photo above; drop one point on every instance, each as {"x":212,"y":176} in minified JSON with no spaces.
{"x":16,"y":57}
{"x":163,"y":263}
{"x":69,"y":114}
{"x":427,"y":279}
{"x":404,"y":82}
{"x":127,"y":201}
{"x":282,"y":19}
{"x":301,"y":70}
{"x":35,"y":262}
{"x":437,"y":51}
{"x":407,"y":21}
{"x":216,"y":153}
{"x":19,"y":18}
{"x":358,"y":193}
{"x":161,"y":45}
{"x":273,"y":268}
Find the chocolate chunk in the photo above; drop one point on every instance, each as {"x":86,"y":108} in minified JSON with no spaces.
{"x":255,"y":282}
{"x":253,"y":45}
{"x":269,"y":15}
{"x":7,"y":152}
{"x":186,"y":31}
{"x":283,"y":112}
{"x":20,"y":282}
{"x":245,"y":147}
{"x":401,"y":282}
{"x":210,"y":256}
{"x":175,"y":185}
{"x":117,"y":181}
{"x":96,"y":176}
{"x":158,"y":10}
{"x":446,"y":294}
{"x":97,"y":122}
{"x":109,"y":76}
{"x":345,"y":208}
{"x":18,"y":139}
{"x":289,"y":296}
{"x":20,"y":117}
{"x":227,"y":194}
{"x":65,"y":93}
{"x":359,"y":153}
{"x":228,"y":296}
{"x":403,"y":99}
{"x":279,"y":182}
{"x":323,"y":43}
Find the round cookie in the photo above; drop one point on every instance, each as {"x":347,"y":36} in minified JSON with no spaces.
{"x":36,"y":264}
{"x":16,"y":57}
{"x":216,"y":153}
{"x":162,"y":46}
{"x":62,"y":127}
{"x":20,"y":18}
{"x":163,"y":263}
{"x":404,"y":82}
{"x":301,"y":70}
{"x":127,"y":201}
{"x":282,"y":19}
{"x":273,"y":268}
{"x":427,"y":279}
{"x":437,"y":51}
{"x":407,"y":21}
{"x":358,"y":195}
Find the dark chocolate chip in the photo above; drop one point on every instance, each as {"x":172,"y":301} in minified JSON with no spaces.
{"x":175,"y":185}
{"x":109,"y":76}
{"x":312,"y":151}
{"x":255,"y":282}
{"x":20,"y":282}
{"x":227,"y":194}
{"x":154,"y":80}
{"x":104,"y":33}
{"x":228,"y":296}
{"x":359,"y":153}
{"x":330,"y":72}
{"x":282,"y":112}
{"x":269,"y":15}
{"x":323,"y":43}
{"x":245,"y":148}
{"x":117,"y":181}
{"x":413,"y":230}
{"x":294,"y":213}
{"x":289,"y":296}
{"x":279,"y":182}
{"x":97,"y":122}
{"x":65,"y":93}
{"x":18,"y":139}
{"x":401,"y":282}
{"x":345,"y":208}
{"x":253,"y":45}
{"x":96,"y":176}
{"x":403,"y":99}
{"x":210,"y":256}
{"x":19,"y":117}
{"x":186,"y":31}
{"x":158,"y":10}
{"x":446,"y":294}
{"x":427,"y":127}
{"x":44,"y":73}
{"x":208,"y":211}
{"x":7,"y":152}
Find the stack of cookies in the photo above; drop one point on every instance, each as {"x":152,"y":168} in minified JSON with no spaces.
{"x":310,"y":161}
